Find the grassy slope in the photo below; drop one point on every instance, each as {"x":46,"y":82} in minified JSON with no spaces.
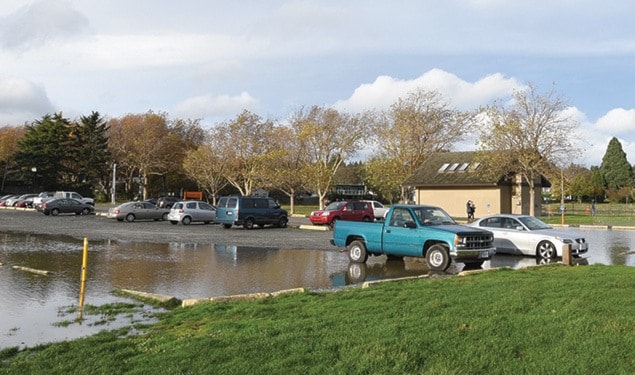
{"x":551,"y":319}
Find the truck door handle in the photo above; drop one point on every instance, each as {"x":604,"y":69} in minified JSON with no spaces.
{"x":387,"y":230}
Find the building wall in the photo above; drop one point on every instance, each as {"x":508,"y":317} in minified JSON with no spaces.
{"x":513,"y":198}
{"x":453,"y":200}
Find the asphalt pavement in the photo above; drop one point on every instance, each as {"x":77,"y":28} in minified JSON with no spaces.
{"x":98,"y":227}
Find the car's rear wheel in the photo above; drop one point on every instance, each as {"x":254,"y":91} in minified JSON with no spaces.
{"x":186,"y":220}
{"x":282,"y":223}
{"x":55,"y":212}
{"x":130,"y":218}
{"x":546,"y":250}
{"x":86,"y":211}
{"x":438,"y":258}
{"x":227,"y":226}
{"x":248,"y":223}
{"x":164,"y":217}
{"x":357,"y":252}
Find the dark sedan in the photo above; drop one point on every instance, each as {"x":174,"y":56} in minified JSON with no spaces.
{"x":65,"y":206}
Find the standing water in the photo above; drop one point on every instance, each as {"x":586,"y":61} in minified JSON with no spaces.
{"x":33,"y":306}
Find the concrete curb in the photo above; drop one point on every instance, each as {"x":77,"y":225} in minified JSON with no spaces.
{"x":314,"y":227}
{"x":240,"y":297}
{"x":32,"y":270}
{"x":160,"y":298}
{"x":368,"y":284}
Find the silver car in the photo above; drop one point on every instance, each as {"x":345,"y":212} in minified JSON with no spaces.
{"x":528,"y":235}
{"x":131,"y":211}
{"x":187,"y":212}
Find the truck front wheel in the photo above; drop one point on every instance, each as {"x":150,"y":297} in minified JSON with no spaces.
{"x":357,"y":252}
{"x":438,"y":258}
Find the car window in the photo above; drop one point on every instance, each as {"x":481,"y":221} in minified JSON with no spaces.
{"x":247,"y":203}
{"x":232,"y":203}
{"x":491,"y":222}
{"x":205,"y":206}
{"x":399,"y":217}
{"x":261,"y":203}
{"x":178,"y":206}
{"x":534,"y":223}
{"x":222,"y":202}
{"x":191,"y":205}
{"x":335,"y":206}
{"x":272,"y":203}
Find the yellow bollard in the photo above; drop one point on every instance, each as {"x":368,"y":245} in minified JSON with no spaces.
{"x":566,"y":254}
{"x":82,"y":288}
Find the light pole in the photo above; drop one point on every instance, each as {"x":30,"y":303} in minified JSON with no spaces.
{"x":34,"y":176}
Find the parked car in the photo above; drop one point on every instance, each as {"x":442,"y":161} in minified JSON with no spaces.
{"x":43,"y":197}
{"x":3,"y":199}
{"x":379,"y":210}
{"x":65,"y":206}
{"x":131,"y":211}
{"x":167,"y":201}
{"x":249,"y":211}
{"x":188,"y":212}
{"x":19,"y":201}
{"x":528,"y":235}
{"x":343,"y":210}
{"x":73,"y":195}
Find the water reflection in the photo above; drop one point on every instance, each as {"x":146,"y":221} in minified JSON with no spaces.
{"x":29,"y":303}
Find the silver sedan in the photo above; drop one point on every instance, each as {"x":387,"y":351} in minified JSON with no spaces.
{"x":528,"y":235}
{"x":131,"y":211}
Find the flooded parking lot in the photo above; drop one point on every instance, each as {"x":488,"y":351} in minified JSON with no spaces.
{"x":30,"y":303}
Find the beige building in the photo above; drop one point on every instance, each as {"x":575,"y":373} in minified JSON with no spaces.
{"x":450,"y":179}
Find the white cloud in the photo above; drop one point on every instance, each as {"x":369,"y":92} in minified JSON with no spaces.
{"x":618,"y":121}
{"x":208,"y":106}
{"x":462,"y":94}
{"x":34,"y":24}
{"x":22,"y":101}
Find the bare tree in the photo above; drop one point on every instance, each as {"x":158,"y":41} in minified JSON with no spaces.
{"x":328,"y":138}
{"x":148,"y":144}
{"x":414,"y":128}
{"x":530,"y":137}
{"x":245,"y":146}
{"x":289,"y":158}
{"x":206,"y":167}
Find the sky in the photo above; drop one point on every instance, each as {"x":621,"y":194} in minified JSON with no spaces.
{"x":210,"y":60}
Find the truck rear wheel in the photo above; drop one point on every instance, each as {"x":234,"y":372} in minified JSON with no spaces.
{"x":438,"y":258}
{"x":357,"y":252}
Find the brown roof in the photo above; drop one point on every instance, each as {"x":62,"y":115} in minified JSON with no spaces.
{"x":450,"y":169}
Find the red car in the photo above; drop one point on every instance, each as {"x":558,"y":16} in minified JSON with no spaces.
{"x":343,"y":210}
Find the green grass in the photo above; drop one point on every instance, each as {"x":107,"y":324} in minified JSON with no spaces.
{"x":551,"y":319}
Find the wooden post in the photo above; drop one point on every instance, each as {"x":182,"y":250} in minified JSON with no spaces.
{"x":82,"y":288}
{"x":566,"y":254}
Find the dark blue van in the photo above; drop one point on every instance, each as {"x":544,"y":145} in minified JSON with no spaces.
{"x":249,"y":211}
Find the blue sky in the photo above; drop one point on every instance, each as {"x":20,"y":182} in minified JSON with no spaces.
{"x":212,"y":59}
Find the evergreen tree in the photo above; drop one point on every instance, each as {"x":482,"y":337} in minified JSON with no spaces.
{"x":90,"y":142}
{"x":44,"y":155}
{"x":616,"y":170}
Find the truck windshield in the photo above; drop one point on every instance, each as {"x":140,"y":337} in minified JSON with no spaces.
{"x":433,"y":216}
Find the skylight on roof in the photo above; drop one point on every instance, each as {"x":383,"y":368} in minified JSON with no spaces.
{"x":443,"y":168}
{"x":463,"y":167}
{"x":453,"y":167}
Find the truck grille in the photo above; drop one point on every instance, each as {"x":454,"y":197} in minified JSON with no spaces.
{"x":475,"y":241}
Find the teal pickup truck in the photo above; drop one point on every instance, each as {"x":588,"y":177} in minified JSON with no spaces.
{"x":415,"y":231}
